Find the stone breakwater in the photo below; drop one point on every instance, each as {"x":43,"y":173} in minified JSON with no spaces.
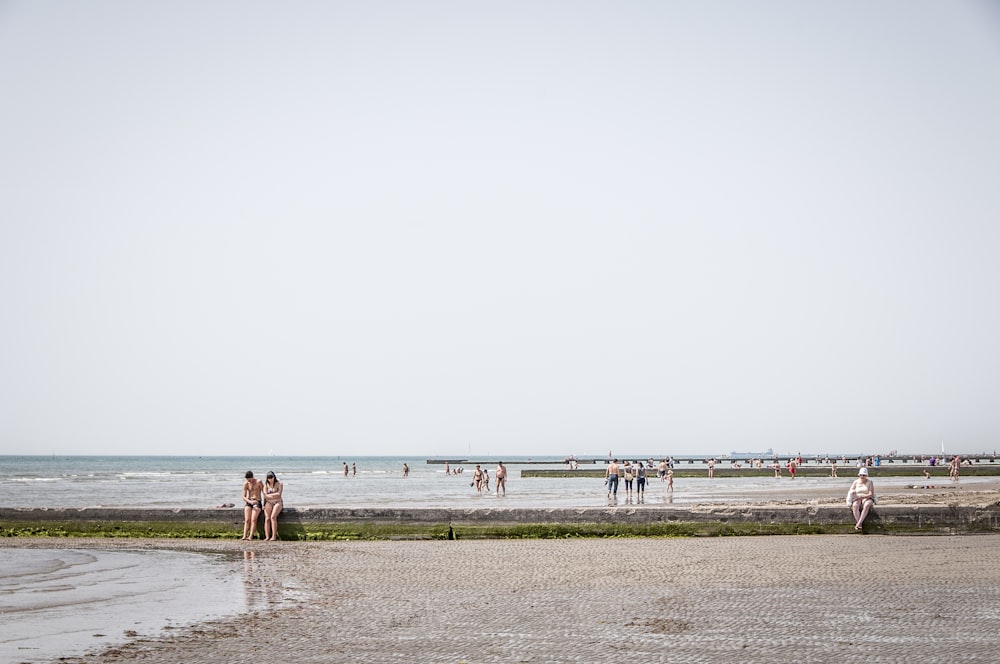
{"x":454,"y":523}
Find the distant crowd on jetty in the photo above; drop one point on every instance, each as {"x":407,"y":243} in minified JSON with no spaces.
{"x":738,"y":461}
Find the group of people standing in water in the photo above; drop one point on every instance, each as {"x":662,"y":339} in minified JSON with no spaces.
{"x":481,"y":479}
{"x":631,"y":473}
{"x":261,"y":497}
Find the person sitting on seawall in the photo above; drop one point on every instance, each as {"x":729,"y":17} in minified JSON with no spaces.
{"x":272,"y":506}
{"x":251,"y":498}
{"x":861,"y":497}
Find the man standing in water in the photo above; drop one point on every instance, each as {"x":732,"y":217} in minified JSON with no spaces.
{"x":501,"y":478}
{"x":611,"y":478}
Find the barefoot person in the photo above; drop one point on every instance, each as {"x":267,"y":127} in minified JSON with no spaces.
{"x":272,"y":506}
{"x":501,"y":476}
{"x":640,"y":482}
{"x":477,"y":479}
{"x":611,"y":478}
{"x":628,"y":477}
{"x":861,"y":497}
{"x":251,"y":498}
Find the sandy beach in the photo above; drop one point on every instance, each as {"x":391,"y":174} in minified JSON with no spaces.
{"x":828,"y":598}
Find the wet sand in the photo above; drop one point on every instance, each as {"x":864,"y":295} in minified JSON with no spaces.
{"x":824,"y":598}
{"x":60,"y":600}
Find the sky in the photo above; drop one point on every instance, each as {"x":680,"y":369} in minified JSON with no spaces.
{"x":522,"y":228}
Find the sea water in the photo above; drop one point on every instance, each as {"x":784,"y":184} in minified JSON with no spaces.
{"x":62,"y":602}
{"x":206,"y":482}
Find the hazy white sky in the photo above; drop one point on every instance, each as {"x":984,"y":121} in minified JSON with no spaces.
{"x":512,"y":228}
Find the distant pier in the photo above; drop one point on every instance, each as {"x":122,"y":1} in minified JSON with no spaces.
{"x":843,"y":460}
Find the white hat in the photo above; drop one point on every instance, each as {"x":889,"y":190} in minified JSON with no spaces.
{"x":863,"y":471}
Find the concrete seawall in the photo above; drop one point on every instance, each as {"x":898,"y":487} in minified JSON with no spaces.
{"x":308,"y":523}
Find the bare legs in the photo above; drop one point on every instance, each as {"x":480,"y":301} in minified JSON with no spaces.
{"x":271,"y":512}
{"x":250,"y":515}
{"x":861,"y":509}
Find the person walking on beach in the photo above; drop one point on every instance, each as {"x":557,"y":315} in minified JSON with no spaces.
{"x":861,"y":497}
{"x":501,"y":478}
{"x":791,"y":468}
{"x":833,"y":468}
{"x":640,"y":482}
{"x":272,"y":506}
{"x":670,"y":480}
{"x":954,"y":467}
{"x":711,"y":468}
{"x":251,"y":498}
{"x":661,"y":470}
{"x":611,"y":478}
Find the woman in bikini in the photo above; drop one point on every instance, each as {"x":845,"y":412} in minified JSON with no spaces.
{"x":272,"y":506}
{"x":251,"y":498}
